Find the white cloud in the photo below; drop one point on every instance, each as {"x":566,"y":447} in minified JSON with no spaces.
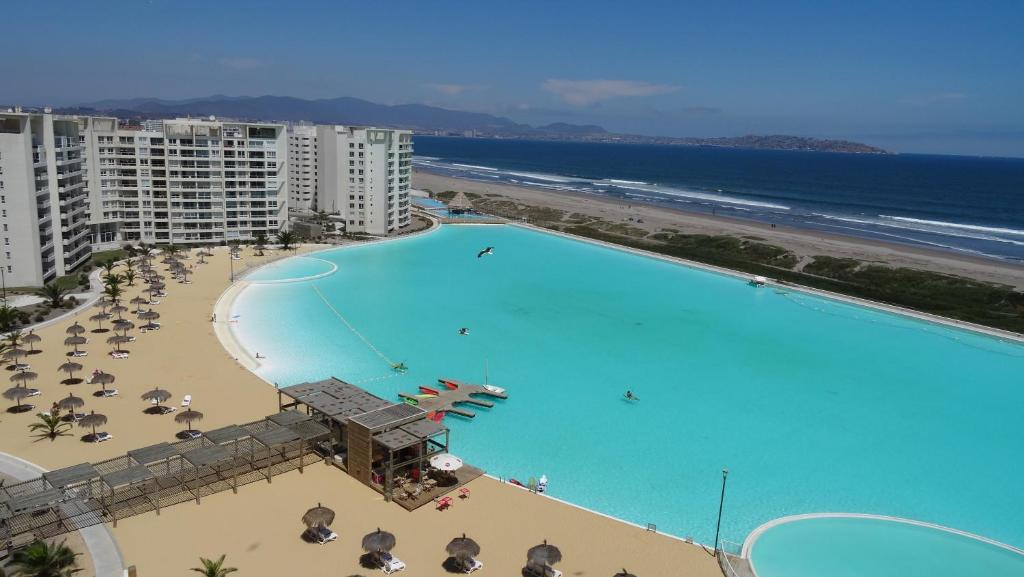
{"x":241,"y":63}
{"x":584,"y":92}
{"x":450,"y":89}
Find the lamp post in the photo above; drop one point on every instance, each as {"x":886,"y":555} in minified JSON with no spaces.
{"x":721,"y":503}
{"x":231,"y":262}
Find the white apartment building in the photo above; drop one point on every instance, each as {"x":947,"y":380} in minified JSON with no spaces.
{"x":364,"y":176}
{"x":44,"y":225}
{"x":302,"y":168}
{"x":190,"y":181}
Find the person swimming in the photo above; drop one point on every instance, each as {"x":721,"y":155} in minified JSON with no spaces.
{"x":631,"y":397}
{"x":463,"y":331}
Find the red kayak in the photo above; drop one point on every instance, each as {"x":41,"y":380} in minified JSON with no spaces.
{"x":451,"y":384}
{"x":428,"y":390}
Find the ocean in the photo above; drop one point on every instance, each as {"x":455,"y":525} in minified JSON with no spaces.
{"x":967,"y":205}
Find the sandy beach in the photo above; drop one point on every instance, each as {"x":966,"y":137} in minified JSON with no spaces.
{"x":259,"y":528}
{"x":802,"y":242}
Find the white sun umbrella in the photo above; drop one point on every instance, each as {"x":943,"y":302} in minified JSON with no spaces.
{"x":445,"y":462}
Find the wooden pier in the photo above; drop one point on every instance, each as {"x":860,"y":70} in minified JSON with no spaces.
{"x":447,"y":399}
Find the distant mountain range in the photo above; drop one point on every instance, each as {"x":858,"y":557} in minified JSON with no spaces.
{"x":425,"y":119}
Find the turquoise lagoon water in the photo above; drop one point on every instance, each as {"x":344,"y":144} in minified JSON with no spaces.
{"x":814,"y":405}
{"x":858,"y":547}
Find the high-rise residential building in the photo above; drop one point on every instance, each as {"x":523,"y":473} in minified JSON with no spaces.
{"x":363,"y":175}
{"x":190,"y":181}
{"x":302,"y":168}
{"x":43,"y":200}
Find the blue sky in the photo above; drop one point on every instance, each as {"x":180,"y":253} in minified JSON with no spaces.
{"x":937,"y":76}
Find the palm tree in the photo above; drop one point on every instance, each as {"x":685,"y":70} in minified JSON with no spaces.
{"x":14,"y":338}
{"x":113,"y":291}
{"x":108,"y":268}
{"x":129,"y":275}
{"x":40,"y":559}
{"x":286,"y":238}
{"x":261,"y":243}
{"x":8,"y":317}
{"x":113,"y":280}
{"x":53,"y":293}
{"x":213,"y":568}
{"x":50,"y":427}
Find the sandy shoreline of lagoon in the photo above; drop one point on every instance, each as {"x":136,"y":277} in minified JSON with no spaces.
{"x":804,"y":243}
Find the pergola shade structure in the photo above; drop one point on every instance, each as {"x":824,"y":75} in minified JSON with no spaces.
{"x":156,"y":476}
{"x":373,"y":439}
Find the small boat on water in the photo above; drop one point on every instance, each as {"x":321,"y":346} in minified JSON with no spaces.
{"x":449,"y":383}
{"x":495,"y":389}
{"x":758,"y":281}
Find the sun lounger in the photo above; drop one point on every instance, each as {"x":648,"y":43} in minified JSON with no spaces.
{"x":107,"y":393}
{"x":464,"y":493}
{"x":443,"y":503}
{"x":22,"y":367}
{"x":186,"y":401}
{"x":78,"y":354}
{"x":34,"y":393}
{"x":191,"y":434}
{"x":323,"y":535}
{"x":100,"y":437}
{"x":391,"y":564}
{"x":473,"y":565}
{"x":118,"y":355}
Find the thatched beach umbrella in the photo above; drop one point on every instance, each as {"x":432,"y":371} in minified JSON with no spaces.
{"x":74,"y":342}
{"x":98,"y":318}
{"x":102,"y":379}
{"x":70,"y":367}
{"x":463,"y":549}
{"x":123,"y":325}
{"x":23,"y":377}
{"x":157,"y":394}
{"x":138,"y":302}
{"x":16,"y":394}
{"x":187,"y":416}
{"x":117,"y":340}
{"x":75,"y":329}
{"x":378,"y":542}
{"x":118,"y":309}
{"x":318,"y":516}
{"x":460,"y":203}
{"x":93,"y":420}
{"x":70,"y":403}
{"x":158,"y":286}
{"x":31,"y":339}
{"x":543,"y":554}
{"x":149,"y":316}
{"x":14,"y":353}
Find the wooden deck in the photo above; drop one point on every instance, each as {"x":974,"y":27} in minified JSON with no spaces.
{"x":447,"y":399}
{"x":464,"y":475}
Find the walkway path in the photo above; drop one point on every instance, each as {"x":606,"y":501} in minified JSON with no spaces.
{"x":106,"y":557}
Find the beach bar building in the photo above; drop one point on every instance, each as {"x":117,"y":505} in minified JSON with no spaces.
{"x":373,"y":440}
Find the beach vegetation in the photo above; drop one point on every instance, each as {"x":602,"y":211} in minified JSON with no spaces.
{"x":49,"y":426}
{"x":42,"y":559}
{"x":54,"y":293}
{"x":286,"y":239}
{"x":212,"y":568}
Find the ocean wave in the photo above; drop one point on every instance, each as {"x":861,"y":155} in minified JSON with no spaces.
{"x":474,"y":167}
{"x":913,"y":240}
{"x":924,"y":229}
{"x":544,"y":177}
{"x":616,"y":181}
{"x":675,"y":192}
{"x":974,"y":227}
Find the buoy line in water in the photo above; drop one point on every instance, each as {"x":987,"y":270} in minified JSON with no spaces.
{"x":337,"y":313}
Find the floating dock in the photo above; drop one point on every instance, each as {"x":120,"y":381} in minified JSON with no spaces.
{"x":447,"y":398}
